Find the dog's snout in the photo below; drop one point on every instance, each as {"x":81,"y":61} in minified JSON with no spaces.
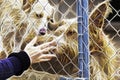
{"x":42,"y":31}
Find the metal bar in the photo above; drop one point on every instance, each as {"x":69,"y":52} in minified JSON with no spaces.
{"x":82,"y":12}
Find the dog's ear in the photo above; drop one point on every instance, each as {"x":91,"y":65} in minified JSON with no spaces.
{"x":27,"y":4}
{"x":98,"y":15}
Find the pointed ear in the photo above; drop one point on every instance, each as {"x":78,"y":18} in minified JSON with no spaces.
{"x":27,"y":5}
{"x":98,"y":15}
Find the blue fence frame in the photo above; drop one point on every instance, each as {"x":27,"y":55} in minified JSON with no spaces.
{"x":83,"y":37}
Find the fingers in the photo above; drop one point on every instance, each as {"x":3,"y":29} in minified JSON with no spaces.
{"x":43,"y":60}
{"x":47,"y":56}
{"x":53,"y":43}
{"x":47,"y":44}
{"x":43,"y":51}
{"x":32,"y":42}
{"x":44,"y":57}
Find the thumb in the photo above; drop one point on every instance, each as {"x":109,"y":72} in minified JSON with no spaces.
{"x":32,"y":42}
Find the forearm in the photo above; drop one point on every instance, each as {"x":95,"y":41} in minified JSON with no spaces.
{"x":7,"y":68}
{"x":15,"y":64}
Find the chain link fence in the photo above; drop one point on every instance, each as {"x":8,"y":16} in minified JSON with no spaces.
{"x":22,"y":20}
{"x":104,"y":39}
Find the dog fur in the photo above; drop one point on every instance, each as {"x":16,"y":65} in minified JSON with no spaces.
{"x":22,"y":30}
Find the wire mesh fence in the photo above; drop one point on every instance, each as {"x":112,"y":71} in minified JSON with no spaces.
{"x":22,"y":20}
{"x":104,"y":39}
{"x":66,"y":22}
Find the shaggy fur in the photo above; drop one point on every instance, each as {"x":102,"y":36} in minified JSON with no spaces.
{"x":103,"y":61}
{"x":18,"y":29}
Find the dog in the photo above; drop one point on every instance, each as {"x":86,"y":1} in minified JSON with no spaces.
{"x":25,"y":17}
{"x":102,"y":55}
{"x":100,"y":52}
{"x":67,"y":50}
{"x":66,"y":35}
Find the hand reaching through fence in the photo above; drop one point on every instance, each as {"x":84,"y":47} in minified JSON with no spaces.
{"x":37,"y":54}
{"x":18,"y":62}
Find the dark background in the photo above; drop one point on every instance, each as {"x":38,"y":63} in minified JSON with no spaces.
{"x":112,"y":22}
{"x":113,"y":28}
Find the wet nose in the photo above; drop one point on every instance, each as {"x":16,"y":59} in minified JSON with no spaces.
{"x":42,"y":31}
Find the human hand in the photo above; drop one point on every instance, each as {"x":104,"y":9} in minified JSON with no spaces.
{"x":38,"y":53}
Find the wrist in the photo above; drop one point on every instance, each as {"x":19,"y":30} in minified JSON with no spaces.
{"x":28,"y":53}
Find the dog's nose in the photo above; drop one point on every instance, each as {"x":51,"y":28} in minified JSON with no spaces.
{"x":42,"y":31}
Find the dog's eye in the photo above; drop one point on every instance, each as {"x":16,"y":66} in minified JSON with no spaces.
{"x":39,"y":15}
{"x":51,"y":20}
{"x":71,"y":32}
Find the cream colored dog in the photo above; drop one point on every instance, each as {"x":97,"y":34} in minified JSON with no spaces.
{"x":31,"y":21}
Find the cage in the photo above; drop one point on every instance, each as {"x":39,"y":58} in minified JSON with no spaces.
{"x":86,"y":32}
{"x":65,"y":21}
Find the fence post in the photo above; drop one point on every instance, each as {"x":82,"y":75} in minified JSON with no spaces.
{"x":83,"y":47}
